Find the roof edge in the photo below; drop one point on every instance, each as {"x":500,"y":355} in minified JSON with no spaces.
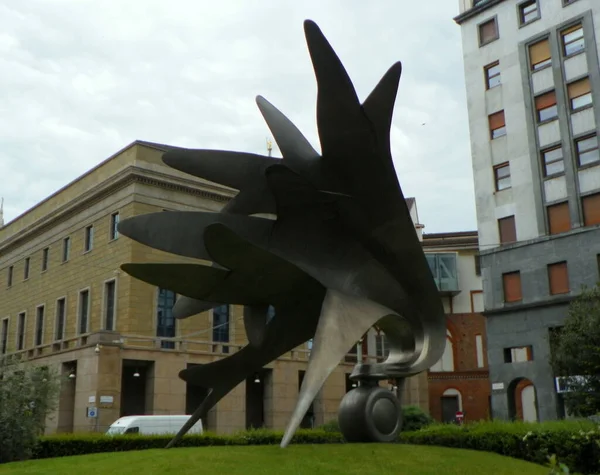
{"x":474,"y":11}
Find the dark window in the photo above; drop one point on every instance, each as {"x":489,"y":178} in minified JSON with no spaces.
{"x":39,"y":326}
{"x":45,"y":254}
{"x":591,"y":209}
{"x":587,"y":150}
{"x":114,"y":224}
{"x":165,"y":321}
{"x":4,"y":337}
{"x":66,"y":248}
{"x":488,"y":32}
{"x":497,"y":124}
{"x":552,"y":161}
{"x":21,"y":331}
{"x":477,"y":264}
{"x":539,"y":55}
{"x":518,"y":354}
{"x":572,"y":39}
{"x":580,"y":93}
{"x":492,"y":75}
{"x":545,"y":106}
{"x":528,"y":11}
{"x":89,"y":238}
{"x":558,"y":278}
{"x":60,"y":319}
{"x":109,"y":305}
{"x":559,"y":218}
{"x":512,"y":287}
{"x":508,"y":229}
{"x":84,"y":308}
{"x":9,"y":278}
{"x":133,"y":430}
{"x":502,"y":176}
{"x":26,"y":268}
{"x":221,"y":325}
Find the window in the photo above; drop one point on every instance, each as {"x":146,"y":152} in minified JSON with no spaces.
{"x":591,"y":209}
{"x":512,"y":286}
{"x":539,"y":55}
{"x":109,"y":305}
{"x":518,"y":354}
{"x":545,"y":105}
{"x":9,"y":278}
{"x":26,"y":268}
{"x":488,"y":32}
{"x":572,"y":39}
{"x":66,"y":249}
{"x":528,"y":11}
{"x":559,"y":218}
{"x":552,"y":161}
{"x":477,"y":264}
{"x":84,"y":311}
{"x":446,"y":362}
{"x":89,"y":238}
{"x":21,"y":331}
{"x":114,"y":225}
{"x":558,"y":278}
{"x":60,"y":319}
{"x":492,"y":75}
{"x":39,"y":325}
{"x":587,"y":150}
{"x":165,"y":321}
{"x":507,"y":229}
{"x":4,"y":337}
{"x":221,"y":325}
{"x":497,"y":124}
{"x":479,"y":349}
{"x":580,"y":93}
{"x":45,"y":254}
{"x":502,"y":176}
{"x":382,"y":349}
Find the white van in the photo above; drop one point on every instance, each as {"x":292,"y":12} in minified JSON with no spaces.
{"x":152,"y":425}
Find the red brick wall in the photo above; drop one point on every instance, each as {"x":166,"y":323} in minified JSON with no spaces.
{"x":475,"y":396}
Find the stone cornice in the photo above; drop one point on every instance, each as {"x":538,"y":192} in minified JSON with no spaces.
{"x":474,"y":11}
{"x":447,"y":375}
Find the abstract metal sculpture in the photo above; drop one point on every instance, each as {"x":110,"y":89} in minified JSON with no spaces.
{"x":327,"y":240}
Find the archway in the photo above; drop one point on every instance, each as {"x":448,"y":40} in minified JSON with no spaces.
{"x":522,"y":400}
{"x":451,"y":403}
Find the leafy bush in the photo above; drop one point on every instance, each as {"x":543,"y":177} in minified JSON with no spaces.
{"x":575,"y":444}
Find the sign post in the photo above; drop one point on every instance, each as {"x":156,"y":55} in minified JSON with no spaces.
{"x":460,"y":417}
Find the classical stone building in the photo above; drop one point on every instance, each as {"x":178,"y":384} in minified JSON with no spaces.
{"x":65,"y":303}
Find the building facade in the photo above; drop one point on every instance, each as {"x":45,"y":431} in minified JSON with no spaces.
{"x":533,"y":85}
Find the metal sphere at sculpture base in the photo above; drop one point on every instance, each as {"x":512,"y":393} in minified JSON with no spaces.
{"x":370,"y":414}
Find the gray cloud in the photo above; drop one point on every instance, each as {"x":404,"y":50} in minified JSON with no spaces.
{"x":82,"y":79}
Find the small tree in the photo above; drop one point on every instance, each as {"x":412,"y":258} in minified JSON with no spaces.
{"x":28,"y":394}
{"x":576,"y":353}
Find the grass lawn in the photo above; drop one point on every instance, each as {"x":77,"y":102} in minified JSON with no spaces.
{"x":327,"y":459}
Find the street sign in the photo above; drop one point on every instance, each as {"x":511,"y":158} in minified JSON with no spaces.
{"x":459,"y":415}
{"x":92,"y":412}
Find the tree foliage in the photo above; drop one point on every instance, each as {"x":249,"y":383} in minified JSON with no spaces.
{"x":576,"y":354}
{"x":28,"y":394}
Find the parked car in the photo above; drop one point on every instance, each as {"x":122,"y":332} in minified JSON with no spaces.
{"x":152,"y":425}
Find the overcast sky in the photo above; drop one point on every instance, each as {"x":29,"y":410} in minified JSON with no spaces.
{"x":80,"y":79}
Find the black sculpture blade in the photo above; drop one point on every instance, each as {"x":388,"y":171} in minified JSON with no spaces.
{"x":186,"y":307}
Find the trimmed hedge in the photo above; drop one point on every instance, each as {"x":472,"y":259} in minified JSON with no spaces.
{"x":575,"y":445}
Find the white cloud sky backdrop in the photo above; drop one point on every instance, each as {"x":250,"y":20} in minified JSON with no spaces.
{"x":80,"y":79}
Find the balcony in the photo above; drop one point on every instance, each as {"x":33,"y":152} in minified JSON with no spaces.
{"x":445,"y":274}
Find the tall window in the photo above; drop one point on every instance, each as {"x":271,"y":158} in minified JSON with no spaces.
{"x":507,"y":230}
{"x":60,"y":319}
{"x":580,"y":93}
{"x":502,"y":176}
{"x":221,"y":325}
{"x":165,"y":322}
{"x":587,"y":150}
{"x":492,"y":75}
{"x":89,"y":238}
{"x":26,"y":268}
{"x":559,"y":218}
{"x":591,"y":209}
{"x":512,"y":286}
{"x":382,"y":349}
{"x":539,"y":55}
{"x":21,"y":331}
{"x":114,"y":224}
{"x":66,"y":249}
{"x":528,"y":11}
{"x":446,"y":363}
{"x":497,"y":124}
{"x":553,"y":161}
{"x":545,"y":106}
{"x":9,"y":278}
{"x":4,"y":337}
{"x":558,"y":278}
{"x":39,"y":326}
{"x":572,"y":39}
{"x":109,"y":305}
{"x":479,"y":350}
{"x":45,"y":255}
{"x":488,"y":32}
{"x":84,"y":310}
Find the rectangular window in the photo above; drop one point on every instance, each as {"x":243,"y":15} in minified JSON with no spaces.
{"x":221,"y":325}
{"x":26,"y":268}
{"x":114,"y":225}
{"x":84,"y":311}
{"x":39,"y":326}
{"x":591,"y":209}
{"x":572,"y":40}
{"x":552,"y":161}
{"x":512,"y":286}
{"x":559,"y":218}
{"x":558,"y":278}
{"x":528,"y":11}
{"x":508,"y":229}
{"x":502,"y":176}
{"x":109,"y":305}
{"x":9,"y":277}
{"x":89,"y":238}
{"x":45,"y":254}
{"x":21,"y":331}
{"x":539,"y":54}
{"x":587,"y":150}
{"x":66,"y":249}
{"x":492,"y":75}
{"x":488,"y":32}
{"x":545,"y":106}
{"x":382,"y":350}
{"x":479,"y":349}
{"x":60,"y":319}
{"x":580,"y":93}
{"x":4,"y":337}
{"x":477,"y":264}
{"x":518,"y":354}
{"x":165,"y":322}
{"x":497,"y":124}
